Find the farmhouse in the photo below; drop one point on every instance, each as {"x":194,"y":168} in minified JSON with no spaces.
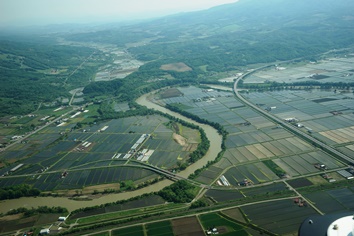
{"x":321,"y":166}
{"x":44,"y":232}
{"x":212,"y":230}
{"x":62,"y":218}
{"x":16,"y":137}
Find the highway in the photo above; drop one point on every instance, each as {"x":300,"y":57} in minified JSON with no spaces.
{"x":288,"y":126}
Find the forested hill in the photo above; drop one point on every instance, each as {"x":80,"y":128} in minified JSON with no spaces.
{"x":36,"y":72}
{"x":249,"y":31}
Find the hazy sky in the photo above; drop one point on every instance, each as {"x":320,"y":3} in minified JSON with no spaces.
{"x":29,"y":12}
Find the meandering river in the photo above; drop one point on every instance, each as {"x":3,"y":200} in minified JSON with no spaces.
{"x":215,"y":148}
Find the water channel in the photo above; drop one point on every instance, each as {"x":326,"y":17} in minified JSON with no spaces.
{"x":215,"y":148}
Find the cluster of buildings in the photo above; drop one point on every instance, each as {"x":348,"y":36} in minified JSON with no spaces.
{"x":245,"y":182}
{"x":300,"y":202}
{"x":140,"y":141}
{"x":83,"y":146}
{"x":116,"y":155}
{"x":144,"y":155}
{"x":54,"y":228}
{"x":212,"y":230}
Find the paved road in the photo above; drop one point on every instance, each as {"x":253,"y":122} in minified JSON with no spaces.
{"x":290,"y":127}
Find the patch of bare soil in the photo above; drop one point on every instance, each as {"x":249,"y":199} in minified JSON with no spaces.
{"x":187,"y":227}
{"x":235,"y":214}
{"x":11,"y":217}
{"x":190,"y":147}
{"x":87,"y":192}
{"x":178,"y":67}
{"x":179,"y":139}
{"x":100,"y":188}
{"x":171,"y":93}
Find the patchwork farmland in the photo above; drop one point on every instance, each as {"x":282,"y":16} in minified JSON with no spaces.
{"x":253,"y":139}
{"x":98,"y":154}
{"x":275,"y":178}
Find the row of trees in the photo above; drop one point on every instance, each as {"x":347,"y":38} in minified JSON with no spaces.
{"x":17,"y":191}
{"x":85,"y":210}
{"x":221,"y":130}
{"x":305,"y":84}
{"x":40,"y":210}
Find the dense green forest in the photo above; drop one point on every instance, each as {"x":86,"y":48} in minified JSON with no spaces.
{"x":17,"y":191}
{"x":179,"y":192}
{"x":35,"y":72}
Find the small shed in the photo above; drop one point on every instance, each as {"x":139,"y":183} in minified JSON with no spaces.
{"x":62,"y":218}
{"x":44,"y":231}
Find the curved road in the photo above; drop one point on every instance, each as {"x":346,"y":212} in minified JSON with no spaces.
{"x":283,"y":123}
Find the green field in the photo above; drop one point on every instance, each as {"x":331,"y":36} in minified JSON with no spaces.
{"x":102,"y":234}
{"x":225,"y":226}
{"x":163,"y":228}
{"x":129,"y":231}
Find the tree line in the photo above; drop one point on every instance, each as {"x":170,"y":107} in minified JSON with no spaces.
{"x":17,"y":191}
{"x":39,"y":210}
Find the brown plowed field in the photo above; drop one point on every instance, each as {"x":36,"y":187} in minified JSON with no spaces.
{"x":179,"y":67}
{"x":187,"y":227}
